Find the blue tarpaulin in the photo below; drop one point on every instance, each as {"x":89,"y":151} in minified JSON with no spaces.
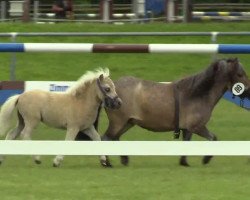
{"x":244,"y":103}
{"x":155,"y":6}
{"x":5,"y":94}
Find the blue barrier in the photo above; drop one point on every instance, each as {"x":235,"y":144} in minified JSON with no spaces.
{"x":11,"y":47}
{"x":5,"y":94}
{"x":244,"y":103}
{"x":234,"y":48}
{"x":155,"y":6}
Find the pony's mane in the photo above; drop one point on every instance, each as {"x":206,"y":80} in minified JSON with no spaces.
{"x":88,"y":77}
{"x":199,"y":84}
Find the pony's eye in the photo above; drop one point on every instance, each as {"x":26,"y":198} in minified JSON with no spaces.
{"x":107,"y":89}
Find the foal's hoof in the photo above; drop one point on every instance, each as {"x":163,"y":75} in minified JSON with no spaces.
{"x":206,"y":159}
{"x":38,"y":162}
{"x":125,"y":160}
{"x":106,"y":164}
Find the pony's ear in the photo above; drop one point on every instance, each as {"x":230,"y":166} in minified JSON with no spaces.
{"x":216,"y":66}
{"x":101,"y":77}
{"x":234,"y":63}
{"x":233,"y":60}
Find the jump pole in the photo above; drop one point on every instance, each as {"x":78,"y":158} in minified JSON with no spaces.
{"x":126,"y":48}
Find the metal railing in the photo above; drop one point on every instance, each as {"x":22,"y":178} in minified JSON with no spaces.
{"x":86,"y":12}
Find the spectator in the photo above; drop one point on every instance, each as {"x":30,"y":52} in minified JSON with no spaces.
{"x":63,"y":9}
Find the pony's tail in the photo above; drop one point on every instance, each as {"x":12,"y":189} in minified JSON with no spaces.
{"x":6,"y":114}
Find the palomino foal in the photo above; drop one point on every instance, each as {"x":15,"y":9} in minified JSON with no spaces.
{"x":73,"y":110}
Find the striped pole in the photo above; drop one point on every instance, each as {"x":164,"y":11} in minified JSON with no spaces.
{"x":225,"y":18}
{"x":126,"y":48}
{"x":198,"y":13}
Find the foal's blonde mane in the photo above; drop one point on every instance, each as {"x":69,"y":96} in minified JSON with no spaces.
{"x":88,"y":77}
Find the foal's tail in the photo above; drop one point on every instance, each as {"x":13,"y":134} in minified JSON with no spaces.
{"x":6,"y":114}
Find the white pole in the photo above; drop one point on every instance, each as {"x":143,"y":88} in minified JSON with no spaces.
{"x":136,"y":148}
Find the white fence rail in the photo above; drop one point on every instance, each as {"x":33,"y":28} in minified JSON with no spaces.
{"x":135,"y":148}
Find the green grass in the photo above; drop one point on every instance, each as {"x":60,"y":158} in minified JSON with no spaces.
{"x":145,"y":178}
{"x":154,"y":177}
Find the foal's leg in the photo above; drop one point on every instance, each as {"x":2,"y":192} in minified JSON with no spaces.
{"x":186,"y":136}
{"x":70,"y":135}
{"x":94,"y":135}
{"x":26,"y":135}
{"x":204,"y":132}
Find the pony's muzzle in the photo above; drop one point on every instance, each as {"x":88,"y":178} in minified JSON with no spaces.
{"x":118,"y":103}
{"x":113,"y":103}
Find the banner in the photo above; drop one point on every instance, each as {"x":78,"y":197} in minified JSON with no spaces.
{"x":51,"y":86}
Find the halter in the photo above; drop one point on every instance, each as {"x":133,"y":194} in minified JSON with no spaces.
{"x":107,"y":98}
{"x":241,"y":96}
{"x":101,"y":88}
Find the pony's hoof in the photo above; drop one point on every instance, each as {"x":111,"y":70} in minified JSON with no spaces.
{"x":206,"y":159}
{"x":38,"y":162}
{"x":106,"y":164}
{"x":125,"y":160}
{"x":184,"y":163}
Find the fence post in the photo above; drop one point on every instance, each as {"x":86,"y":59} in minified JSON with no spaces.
{"x":13,"y":60}
{"x":106,"y":10}
{"x":187,"y":10}
{"x":26,"y":11}
{"x":35,"y":10}
{"x":214,"y":41}
{"x":139,"y":8}
{"x":170,"y":10}
{"x":3,"y":10}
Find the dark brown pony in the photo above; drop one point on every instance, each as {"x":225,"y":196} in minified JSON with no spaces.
{"x":186,"y":104}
